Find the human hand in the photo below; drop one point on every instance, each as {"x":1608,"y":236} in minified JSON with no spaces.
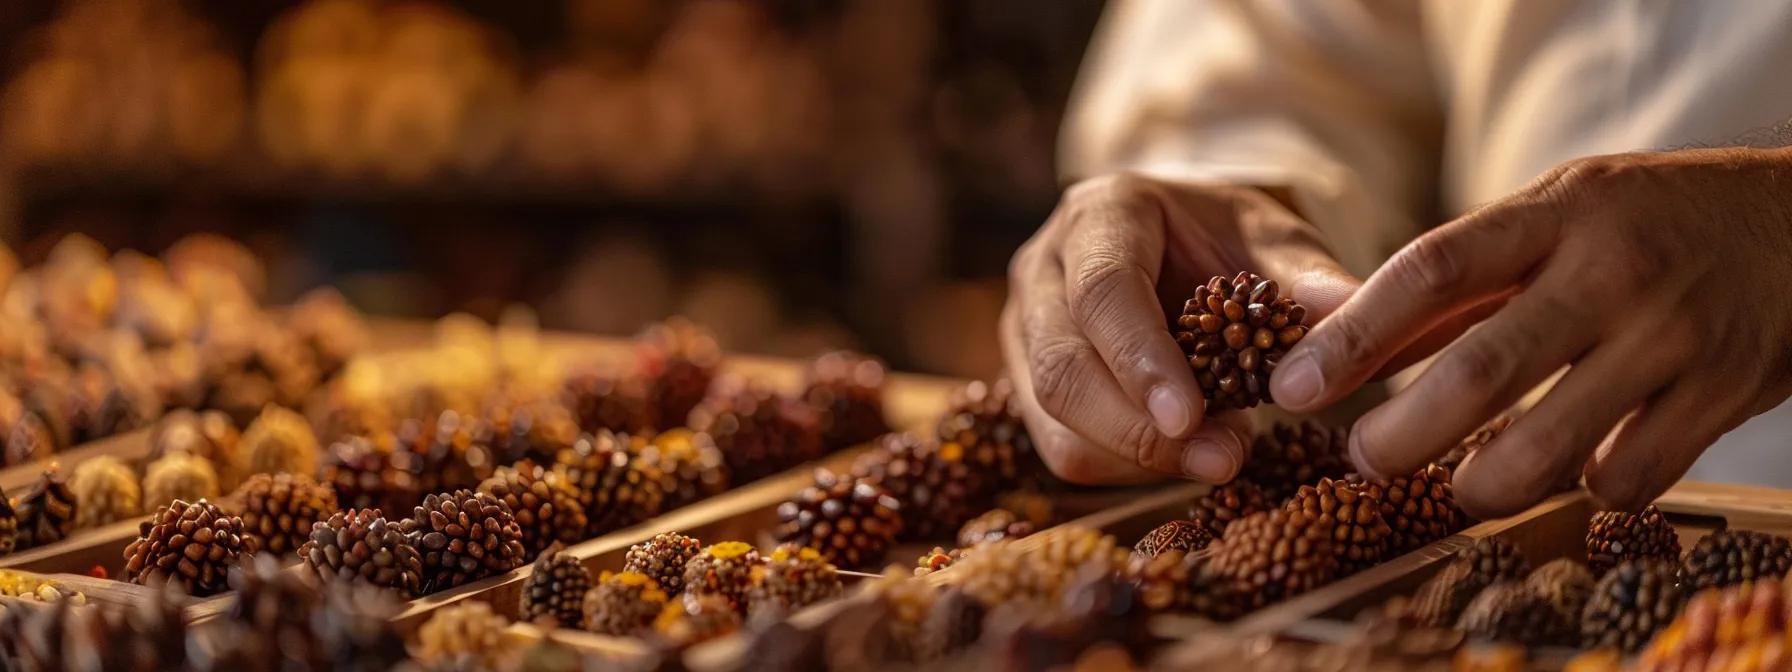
{"x":1653,"y":277}
{"x":1106,"y":392}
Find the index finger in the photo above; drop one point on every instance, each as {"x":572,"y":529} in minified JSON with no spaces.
{"x":1111,"y":260}
{"x":1440,"y":274}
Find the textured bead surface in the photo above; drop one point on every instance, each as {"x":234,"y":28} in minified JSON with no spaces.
{"x":1234,"y":332}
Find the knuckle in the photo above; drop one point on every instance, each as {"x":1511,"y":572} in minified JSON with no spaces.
{"x":1020,"y":266}
{"x":1624,"y":279}
{"x":1575,"y":173}
{"x":1588,"y":175}
{"x":1122,"y":186}
{"x":1477,"y":364}
{"x":1591,"y":179}
{"x":1100,"y":277}
{"x":1139,"y":440}
{"x":1124,"y":193}
{"x":1430,"y":264}
{"x":1059,"y":368}
{"x":1349,"y":339}
{"x":1551,"y":308}
{"x":1632,"y":263}
{"x":1536,"y":476}
{"x":1678,"y":342}
{"x":1131,"y":359}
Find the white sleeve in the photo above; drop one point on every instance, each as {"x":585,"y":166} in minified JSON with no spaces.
{"x":1334,"y":100}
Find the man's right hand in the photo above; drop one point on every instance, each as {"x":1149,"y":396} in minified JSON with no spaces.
{"x":1107,"y":394}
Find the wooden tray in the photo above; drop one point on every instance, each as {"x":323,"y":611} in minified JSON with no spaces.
{"x":747,"y":517}
{"x":735,"y":514}
{"x":740,"y":511}
{"x":1143,"y":508}
{"x":104,"y":546}
{"x":1553,"y":529}
{"x":1127,"y":513}
{"x":910,"y":401}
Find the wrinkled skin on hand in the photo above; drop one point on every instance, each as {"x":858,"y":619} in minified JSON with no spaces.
{"x":1656,"y":279}
{"x":1106,"y":392}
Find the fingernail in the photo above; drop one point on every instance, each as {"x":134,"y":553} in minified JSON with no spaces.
{"x":1298,"y":382}
{"x":1207,"y":461}
{"x":1168,"y":409}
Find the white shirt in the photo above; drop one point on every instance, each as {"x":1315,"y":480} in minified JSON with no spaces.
{"x":1385,"y":118}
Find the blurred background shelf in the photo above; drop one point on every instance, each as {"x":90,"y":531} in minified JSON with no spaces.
{"x":801,"y":174}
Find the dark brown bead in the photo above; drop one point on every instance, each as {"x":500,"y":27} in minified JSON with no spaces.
{"x":983,"y":429}
{"x":1634,"y":600}
{"x":362,"y":545}
{"x":1441,"y":600}
{"x":846,"y":391}
{"x":1616,"y":536}
{"x":193,"y":545}
{"x":464,"y":536}
{"x":279,"y":509}
{"x":1512,"y":611}
{"x":555,"y":591}
{"x":544,"y":503}
{"x":1227,"y":503}
{"x":46,"y":512}
{"x":1359,"y":532}
{"x":678,"y":360}
{"x":993,"y":525}
{"x":1224,"y":319}
{"x":758,"y":431}
{"x":851,"y":522}
{"x":1271,"y":556}
{"x":1291,"y":455}
{"x":938,"y":490}
{"x":1421,"y":509}
{"x":1731,"y":557}
{"x":663,"y":558}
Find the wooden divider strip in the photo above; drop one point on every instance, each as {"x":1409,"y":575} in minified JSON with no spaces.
{"x":102,"y":546}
